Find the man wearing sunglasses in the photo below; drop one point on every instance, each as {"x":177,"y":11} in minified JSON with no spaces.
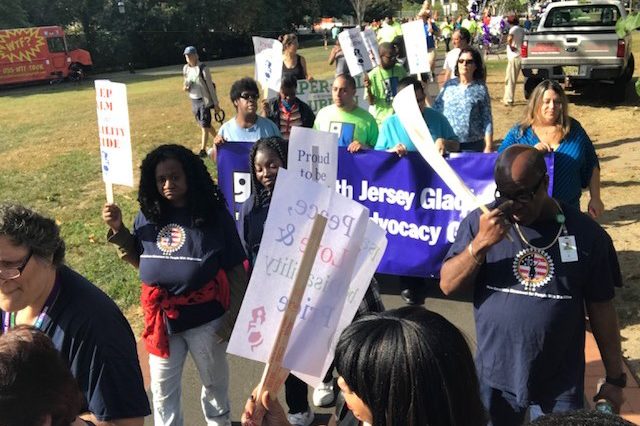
{"x":86,"y":327}
{"x":382,"y":83}
{"x":247,"y":125}
{"x":531,"y":293}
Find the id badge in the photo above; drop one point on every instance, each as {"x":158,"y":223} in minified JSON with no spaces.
{"x":568,"y":249}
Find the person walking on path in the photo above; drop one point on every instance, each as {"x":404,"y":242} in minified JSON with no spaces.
{"x":514,"y":42}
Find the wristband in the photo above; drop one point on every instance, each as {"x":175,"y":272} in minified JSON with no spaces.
{"x":473,"y":256}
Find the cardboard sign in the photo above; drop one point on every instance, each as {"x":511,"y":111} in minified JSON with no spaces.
{"x":114,"y":133}
{"x":415,"y":43}
{"x":317,"y":93}
{"x":355,"y":51}
{"x":268,"y":63}
{"x":313,"y":155}
{"x":331,"y":286}
{"x":371,"y":42}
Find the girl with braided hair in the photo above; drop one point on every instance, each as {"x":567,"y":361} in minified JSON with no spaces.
{"x":191,"y":264}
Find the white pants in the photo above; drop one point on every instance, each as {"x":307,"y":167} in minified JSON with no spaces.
{"x":511,"y":78}
{"x":210,"y":359}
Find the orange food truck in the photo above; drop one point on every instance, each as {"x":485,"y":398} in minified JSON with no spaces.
{"x":41,"y":53}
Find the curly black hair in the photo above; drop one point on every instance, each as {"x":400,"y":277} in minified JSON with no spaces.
{"x":203,"y":196}
{"x":278,"y":146}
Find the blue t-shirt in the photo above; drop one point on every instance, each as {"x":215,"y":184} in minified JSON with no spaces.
{"x":468,"y":109}
{"x":431,"y":41}
{"x":574,"y":160}
{"x":531,"y":336}
{"x":392,"y":132}
{"x":181,"y":257}
{"x":91,"y":333}
{"x":263,"y":128}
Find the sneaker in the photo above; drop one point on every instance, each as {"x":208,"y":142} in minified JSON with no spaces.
{"x":323,"y":395}
{"x":202,"y":153}
{"x":301,"y":419}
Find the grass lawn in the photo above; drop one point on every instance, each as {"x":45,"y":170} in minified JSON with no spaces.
{"x":51,"y":161}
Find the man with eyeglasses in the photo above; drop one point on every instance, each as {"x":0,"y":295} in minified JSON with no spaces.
{"x":247,"y":125}
{"x":531,"y":293}
{"x":382,"y":83}
{"x":85,"y":325}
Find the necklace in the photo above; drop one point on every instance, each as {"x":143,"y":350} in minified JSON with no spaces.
{"x":559,"y":218}
{"x":9,"y":320}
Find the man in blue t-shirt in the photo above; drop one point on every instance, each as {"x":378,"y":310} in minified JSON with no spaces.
{"x":394,"y":138}
{"x":530,"y":292}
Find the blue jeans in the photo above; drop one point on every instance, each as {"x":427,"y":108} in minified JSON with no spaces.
{"x":210,"y":359}
{"x":504,"y":410}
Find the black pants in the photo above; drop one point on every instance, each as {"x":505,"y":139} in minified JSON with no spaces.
{"x":295,"y":392}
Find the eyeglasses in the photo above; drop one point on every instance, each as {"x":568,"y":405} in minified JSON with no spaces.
{"x":466,"y":61}
{"x":15,"y":272}
{"x":249,"y":96}
{"x":389,"y":56}
{"x":521,"y":197}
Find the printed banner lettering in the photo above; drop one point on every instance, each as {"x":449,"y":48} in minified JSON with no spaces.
{"x":317,"y":93}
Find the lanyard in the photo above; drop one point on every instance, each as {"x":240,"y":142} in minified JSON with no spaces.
{"x":9,"y":318}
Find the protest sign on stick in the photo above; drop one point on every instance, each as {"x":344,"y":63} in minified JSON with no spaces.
{"x":114,"y":135}
{"x":355,"y":51}
{"x":371,"y":43}
{"x":313,"y":155}
{"x":268,"y":54}
{"x":415,"y":43}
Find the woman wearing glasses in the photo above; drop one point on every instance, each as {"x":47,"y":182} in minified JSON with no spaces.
{"x":247,"y":125}
{"x":465,"y":102}
{"x":547,"y":126}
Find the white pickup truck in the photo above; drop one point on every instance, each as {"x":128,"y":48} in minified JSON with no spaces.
{"x":576,"y":43}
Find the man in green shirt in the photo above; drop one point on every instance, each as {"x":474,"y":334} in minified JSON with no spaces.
{"x":382,"y":83}
{"x":355,"y":127}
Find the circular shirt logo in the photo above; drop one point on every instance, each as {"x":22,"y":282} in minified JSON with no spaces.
{"x":533,"y":268}
{"x":171,"y":238}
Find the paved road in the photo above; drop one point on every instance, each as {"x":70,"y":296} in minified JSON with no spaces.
{"x":245,"y":374}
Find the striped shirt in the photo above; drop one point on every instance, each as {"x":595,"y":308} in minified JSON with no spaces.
{"x":288,"y":119}
{"x":574,"y":160}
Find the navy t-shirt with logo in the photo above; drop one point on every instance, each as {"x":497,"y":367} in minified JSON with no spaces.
{"x":529,"y":306}
{"x":181,"y":257}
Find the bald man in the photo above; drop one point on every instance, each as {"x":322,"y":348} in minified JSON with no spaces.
{"x":530,"y":294}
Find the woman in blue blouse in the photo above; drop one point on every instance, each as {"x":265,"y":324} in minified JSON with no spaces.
{"x":547,"y":126}
{"x":465,"y":102}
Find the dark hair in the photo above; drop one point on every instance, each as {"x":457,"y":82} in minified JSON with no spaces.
{"x":279,"y":147}
{"x":349,"y":79}
{"x":289,"y":81}
{"x":203,"y":196}
{"x":410,"y":81}
{"x":25,"y":227}
{"x":465,"y":34}
{"x":35,"y":381}
{"x":386,"y":47}
{"x":480,"y":73}
{"x":246,"y":84}
{"x":581,"y":418}
{"x":535,"y":162}
{"x":411,"y":366}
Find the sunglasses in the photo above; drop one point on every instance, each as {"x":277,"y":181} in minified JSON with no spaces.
{"x":249,"y":96}
{"x":521,"y":197}
{"x":466,"y":61}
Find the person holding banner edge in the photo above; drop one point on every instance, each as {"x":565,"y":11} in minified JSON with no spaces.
{"x":247,"y":125}
{"x":202,"y":92}
{"x":531,"y":294}
{"x":466,"y":103}
{"x":356,"y":128}
{"x":191,"y":264}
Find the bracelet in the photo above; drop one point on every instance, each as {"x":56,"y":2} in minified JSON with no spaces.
{"x":473,"y":256}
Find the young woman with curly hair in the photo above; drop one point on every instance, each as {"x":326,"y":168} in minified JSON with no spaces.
{"x":190,"y":259}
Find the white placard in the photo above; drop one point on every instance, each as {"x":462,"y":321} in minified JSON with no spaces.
{"x":114,"y":132}
{"x":317,"y":93}
{"x":331,"y":287}
{"x":355,"y":51}
{"x":415,"y":43}
{"x":371,"y":42}
{"x":268,"y":63}
{"x":313,"y":155}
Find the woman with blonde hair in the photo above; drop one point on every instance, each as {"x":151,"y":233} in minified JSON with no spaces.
{"x":292,"y":63}
{"x":547,"y":126}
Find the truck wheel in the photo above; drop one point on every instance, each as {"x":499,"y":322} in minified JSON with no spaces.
{"x":530,"y":83}
{"x":76,"y":72}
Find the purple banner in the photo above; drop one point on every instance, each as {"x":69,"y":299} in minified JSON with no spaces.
{"x":405,"y":197}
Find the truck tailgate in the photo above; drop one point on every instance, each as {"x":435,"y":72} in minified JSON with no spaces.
{"x":573,"y":48}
